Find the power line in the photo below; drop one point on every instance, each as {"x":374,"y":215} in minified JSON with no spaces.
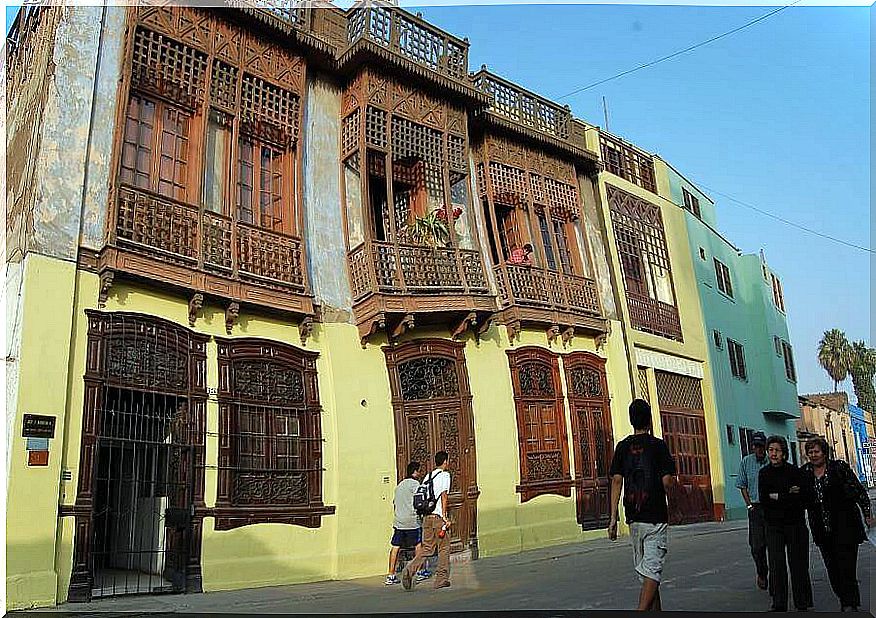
{"x":682,"y":51}
{"x":785,"y":221}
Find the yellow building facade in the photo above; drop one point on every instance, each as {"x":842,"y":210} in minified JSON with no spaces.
{"x":236,"y":388}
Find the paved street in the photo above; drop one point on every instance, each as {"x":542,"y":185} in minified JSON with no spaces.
{"x":708,"y":568}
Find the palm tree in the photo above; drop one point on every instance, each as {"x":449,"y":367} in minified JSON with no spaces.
{"x":834,"y":355}
{"x":862,"y":369}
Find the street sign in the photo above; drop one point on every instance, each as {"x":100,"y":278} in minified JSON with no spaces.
{"x":37,"y":426}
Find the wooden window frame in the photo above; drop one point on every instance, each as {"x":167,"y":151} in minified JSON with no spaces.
{"x":189,"y":182}
{"x":736,"y":352}
{"x":560,"y":483}
{"x":722,"y":275}
{"x":280,"y":395}
{"x":778,"y":294}
{"x":285,"y":161}
{"x":691,"y":203}
{"x":788,"y":356}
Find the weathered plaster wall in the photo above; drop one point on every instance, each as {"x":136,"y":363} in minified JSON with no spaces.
{"x":97,"y":177}
{"x":14,"y":301}
{"x":324,"y":225}
{"x":593,"y":233}
{"x":30,"y":72}
{"x":61,"y":160}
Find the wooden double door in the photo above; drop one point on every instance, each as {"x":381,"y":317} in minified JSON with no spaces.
{"x":684,"y":430}
{"x":432,"y":408}
{"x":592,"y":437}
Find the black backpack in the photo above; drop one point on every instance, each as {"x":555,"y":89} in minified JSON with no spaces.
{"x":424,"y":498}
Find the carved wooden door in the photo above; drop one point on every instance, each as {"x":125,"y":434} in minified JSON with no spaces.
{"x":592,"y":437}
{"x":432,"y":406}
{"x":684,"y":429}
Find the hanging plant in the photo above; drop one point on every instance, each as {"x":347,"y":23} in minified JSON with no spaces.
{"x":430,"y":230}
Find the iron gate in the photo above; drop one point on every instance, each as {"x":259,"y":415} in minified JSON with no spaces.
{"x":143,"y":495}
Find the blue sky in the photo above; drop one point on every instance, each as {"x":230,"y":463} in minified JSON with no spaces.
{"x":776,"y":116}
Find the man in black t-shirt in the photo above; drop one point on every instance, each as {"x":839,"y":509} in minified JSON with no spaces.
{"x":644,"y":468}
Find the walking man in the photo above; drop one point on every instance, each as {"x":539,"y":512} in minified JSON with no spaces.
{"x":746,"y":481}
{"x":406,"y":533}
{"x":436,"y":528}
{"x":644,"y":468}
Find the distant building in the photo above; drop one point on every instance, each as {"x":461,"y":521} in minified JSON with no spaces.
{"x":864,"y":456}
{"x":826,"y":415}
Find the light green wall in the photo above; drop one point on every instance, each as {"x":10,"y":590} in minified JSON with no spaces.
{"x":749,"y":318}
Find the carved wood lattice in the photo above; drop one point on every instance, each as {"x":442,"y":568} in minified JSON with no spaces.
{"x":270,"y":438}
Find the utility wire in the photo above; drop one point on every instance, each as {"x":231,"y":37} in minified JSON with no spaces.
{"x":682,"y":51}
{"x":785,"y":221}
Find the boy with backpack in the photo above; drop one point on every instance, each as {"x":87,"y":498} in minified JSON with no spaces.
{"x":430,"y":501}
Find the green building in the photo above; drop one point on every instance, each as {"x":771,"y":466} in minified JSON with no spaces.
{"x":746,"y":326}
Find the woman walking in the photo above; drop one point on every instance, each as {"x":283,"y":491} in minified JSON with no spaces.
{"x":780,"y":489}
{"x":835,"y":501}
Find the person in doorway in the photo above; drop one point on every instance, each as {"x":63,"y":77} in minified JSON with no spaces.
{"x":521,"y":257}
{"x":436,"y":528}
{"x":643,"y":467}
{"x":406,"y":531}
{"x":746,"y":481}
{"x":836,"y":502}
{"x":780,"y":488}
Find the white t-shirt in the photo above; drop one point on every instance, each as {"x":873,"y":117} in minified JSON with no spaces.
{"x":441,"y":485}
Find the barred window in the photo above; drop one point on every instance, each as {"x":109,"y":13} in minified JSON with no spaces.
{"x":270,"y":436}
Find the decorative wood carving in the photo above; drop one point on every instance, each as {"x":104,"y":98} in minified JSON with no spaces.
{"x":106,"y":283}
{"x":552,"y":333}
{"x":406,"y":324}
{"x":232,"y":313}
{"x":592,"y":436}
{"x":541,"y":425}
{"x":377,"y":325}
{"x":305,"y":329}
{"x":270,"y":437}
{"x":513,"y":331}
{"x":129,"y":355}
{"x":469,"y":321}
{"x":432,"y":404}
{"x":195,"y":304}
{"x":567,"y":335}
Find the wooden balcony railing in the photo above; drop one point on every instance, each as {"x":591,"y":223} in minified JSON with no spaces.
{"x":411,"y":37}
{"x":524,"y":107}
{"x":411,"y":269}
{"x":540,"y":288}
{"x":653,"y":316}
{"x":179,"y":233}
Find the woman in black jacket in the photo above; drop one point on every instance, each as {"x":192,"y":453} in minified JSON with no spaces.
{"x":835,"y":501}
{"x":780,"y":490}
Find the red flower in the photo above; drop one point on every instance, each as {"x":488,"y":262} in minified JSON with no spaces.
{"x":457,"y":212}
{"x":441,"y":214}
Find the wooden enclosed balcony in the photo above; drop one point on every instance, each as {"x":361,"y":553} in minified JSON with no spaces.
{"x":398,"y":286}
{"x":650,"y":315}
{"x":203,"y":252}
{"x":561,"y":301}
{"x":520,"y":110}
{"x":411,"y":37}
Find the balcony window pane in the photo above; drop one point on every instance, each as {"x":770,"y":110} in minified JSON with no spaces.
{"x":215,"y":169}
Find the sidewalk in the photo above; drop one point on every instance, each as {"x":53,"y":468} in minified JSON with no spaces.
{"x":708,"y":568}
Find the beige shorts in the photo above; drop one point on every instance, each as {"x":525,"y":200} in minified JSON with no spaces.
{"x":649,"y":548}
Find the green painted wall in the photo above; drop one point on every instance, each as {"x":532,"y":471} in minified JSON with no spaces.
{"x":750,"y":318}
